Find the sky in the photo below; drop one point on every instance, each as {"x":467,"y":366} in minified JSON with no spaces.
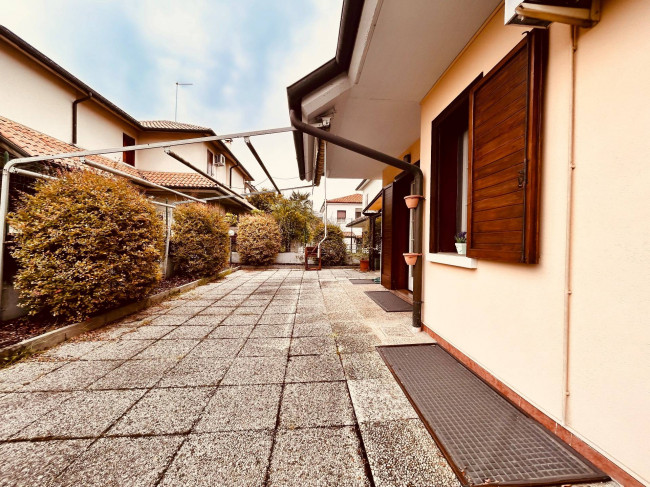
{"x":240,"y":55}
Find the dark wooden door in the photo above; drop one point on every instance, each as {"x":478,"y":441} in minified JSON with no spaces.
{"x":387,"y":236}
{"x":400,"y":240}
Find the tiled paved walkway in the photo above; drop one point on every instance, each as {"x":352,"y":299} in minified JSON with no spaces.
{"x":265,"y":378}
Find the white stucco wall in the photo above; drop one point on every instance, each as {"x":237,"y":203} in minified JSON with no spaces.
{"x":510,"y":318}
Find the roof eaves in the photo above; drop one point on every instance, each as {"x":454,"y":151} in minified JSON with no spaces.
{"x":350,"y":18}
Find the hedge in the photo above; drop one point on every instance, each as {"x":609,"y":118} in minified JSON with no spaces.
{"x":333,"y":250}
{"x":85,"y":243}
{"x":258,"y":239}
{"x":200,"y":245}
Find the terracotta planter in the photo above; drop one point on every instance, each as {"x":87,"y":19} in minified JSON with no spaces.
{"x":413,"y":200}
{"x":411,"y":258}
{"x":364,"y":265}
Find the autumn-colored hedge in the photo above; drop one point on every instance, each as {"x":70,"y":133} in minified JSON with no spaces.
{"x":200,"y":241}
{"x":85,"y":243}
{"x":258,"y":239}
{"x":333,"y":250}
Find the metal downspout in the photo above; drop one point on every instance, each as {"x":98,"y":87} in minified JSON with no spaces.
{"x":325,"y":190}
{"x":74,"y":115}
{"x":394,"y":162}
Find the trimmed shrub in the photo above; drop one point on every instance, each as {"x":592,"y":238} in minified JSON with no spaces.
{"x":333,"y":250}
{"x":200,"y":241}
{"x":85,"y":243}
{"x":258,"y":239}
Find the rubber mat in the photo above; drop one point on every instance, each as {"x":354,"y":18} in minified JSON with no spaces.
{"x":485,"y":438}
{"x":388,"y":301}
{"x":362,"y":281}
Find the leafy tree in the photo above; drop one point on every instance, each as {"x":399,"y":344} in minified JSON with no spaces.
{"x":333,"y":249}
{"x":85,"y":243}
{"x":294,"y":216}
{"x":200,"y":240}
{"x":264,"y":202}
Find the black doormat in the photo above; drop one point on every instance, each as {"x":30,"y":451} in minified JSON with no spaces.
{"x":388,"y":301}
{"x":362,"y":281}
{"x":486,"y":439}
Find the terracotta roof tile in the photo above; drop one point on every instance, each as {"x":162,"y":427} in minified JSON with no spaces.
{"x":351,"y":198}
{"x":35,"y":143}
{"x":178,"y":179}
{"x":169,"y":125}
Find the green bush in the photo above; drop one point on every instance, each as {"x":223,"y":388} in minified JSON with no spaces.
{"x":85,"y":243}
{"x":333,"y":251}
{"x":200,"y":245}
{"x":258,"y":239}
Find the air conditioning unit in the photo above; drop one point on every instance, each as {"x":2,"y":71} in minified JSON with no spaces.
{"x":220,"y":160}
{"x":540,"y":13}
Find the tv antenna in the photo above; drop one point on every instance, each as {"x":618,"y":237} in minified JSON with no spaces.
{"x":176,"y":106}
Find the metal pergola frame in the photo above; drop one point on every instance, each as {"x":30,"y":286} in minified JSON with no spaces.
{"x":10,"y":168}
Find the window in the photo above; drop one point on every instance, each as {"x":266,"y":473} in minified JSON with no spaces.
{"x":211,"y":170}
{"x":128,"y":157}
{"x":340,"y":216}
{"x":357,"y":213}
{"x":485,"y":161}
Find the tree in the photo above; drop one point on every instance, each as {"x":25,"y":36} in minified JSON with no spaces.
{"x":293,"y":216}
{"x":265,"y":202}
{"x":333,"y":250}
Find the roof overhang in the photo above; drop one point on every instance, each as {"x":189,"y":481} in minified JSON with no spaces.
{"x":389,"y":56}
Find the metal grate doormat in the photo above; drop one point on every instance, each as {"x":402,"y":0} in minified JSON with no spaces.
{"x":388,"y":301}
{"x":485,"y":438}
{"x":362,"y":281}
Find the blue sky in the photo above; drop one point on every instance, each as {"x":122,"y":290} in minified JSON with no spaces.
{"x":240,"y":56}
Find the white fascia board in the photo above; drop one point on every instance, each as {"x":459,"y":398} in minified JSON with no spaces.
{"x":320,"y":100}
{"x":367,"y":23}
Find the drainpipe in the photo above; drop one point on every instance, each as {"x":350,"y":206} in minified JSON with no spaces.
{"x":418,"y":185}
{"x":325,"y":190}
{"x":230,"y":175}
{"x":569,"y":233}
{"x":74,"y":116}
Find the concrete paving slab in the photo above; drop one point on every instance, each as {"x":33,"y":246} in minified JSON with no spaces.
{"x":163,"y":411}
{"x":256,"y":370}
{"x":367,"y":365}
{"x":231,"y":331}
{"x":118,"y":350}
{"x":221,"y":459}
{"x":19,"y":410}
{"x":265,"y":347}
{"x":194,"y":372}
{"x":249,"y":310}
{"x":237,"y":408}
{"x":205,"y":320}
{"x":379,"y":400}
{"x":72,"y":350}
{"x":134,"y":462}
{"x":217,"y":309}
{"x":147,"y":332}
{"x":317,"y":329}
{"x":276,"y":319}
{"x":313,"y":404}
{"x":84,"y":414}
{"x":222,"y":347}
{"x":73,"y":376}
{"x":358,"y":343}
{"x":312,"y":346}
{"x":176,"y":349}
{"x":186,"y":310}
{"x":188,"y":332}
{"x":317,"y":457}
{"x":33,"y":464}
{"x":240,"y":320}
{"x":135,"y":374}
{"x":21,"y":374}
{"x":314,"y":368}
{"x":169,"y":320}
{"x":272,"y":331}
{"x":402,"y":453}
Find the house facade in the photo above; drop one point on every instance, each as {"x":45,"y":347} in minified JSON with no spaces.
{"x":531,"y":140}
{"x":342,"y":211}
{"x":71,"y":112}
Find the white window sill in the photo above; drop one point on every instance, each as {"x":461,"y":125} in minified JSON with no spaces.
{"x":449,"y":258}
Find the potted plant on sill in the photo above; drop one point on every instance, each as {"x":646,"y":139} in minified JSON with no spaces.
{"x":461,"y":242}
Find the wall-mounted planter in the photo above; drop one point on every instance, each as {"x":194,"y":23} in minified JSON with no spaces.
{"x":413,"y":200}
{"x":411,"y":258}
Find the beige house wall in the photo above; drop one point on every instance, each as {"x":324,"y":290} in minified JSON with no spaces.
{"x":510,"y":318}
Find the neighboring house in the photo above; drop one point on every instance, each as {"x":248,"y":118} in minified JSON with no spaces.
{"x":371,"y":192}
{"x":534,"y":141}
{"x":41,"y":96}
{"x":341,"y":211}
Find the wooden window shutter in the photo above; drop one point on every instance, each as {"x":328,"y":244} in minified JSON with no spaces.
{"x":504,"y":156}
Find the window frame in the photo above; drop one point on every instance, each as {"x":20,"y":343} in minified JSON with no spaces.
{"x":128,"y":157}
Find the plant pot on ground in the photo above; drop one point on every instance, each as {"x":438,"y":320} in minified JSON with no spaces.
{"x":364,"y":265}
